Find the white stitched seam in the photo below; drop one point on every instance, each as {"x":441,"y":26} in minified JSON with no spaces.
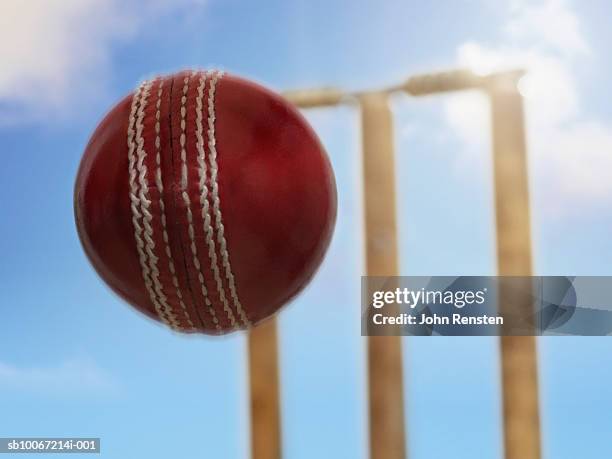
{"x":160,"y":186}
{"x":145,"y":203}
{"x":138,"y":104}
{"x":202,"y":170}
{"x":216,"y":200}
{"x":185,"y":195}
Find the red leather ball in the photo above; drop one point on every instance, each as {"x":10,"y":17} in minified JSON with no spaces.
{"x":205,"y":201}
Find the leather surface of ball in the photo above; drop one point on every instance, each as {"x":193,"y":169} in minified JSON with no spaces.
{"x":205,"y":201}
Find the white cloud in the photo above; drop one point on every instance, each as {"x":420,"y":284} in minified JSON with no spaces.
{"x":468,"y":115}
{"x":570,"y":151}
{"x":57,"y":53}
{"x":574,"y":166}
{"x":72,"y":377}
{"x":550,"y":23}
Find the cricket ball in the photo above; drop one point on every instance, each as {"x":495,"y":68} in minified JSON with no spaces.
{"x":205,"y":201}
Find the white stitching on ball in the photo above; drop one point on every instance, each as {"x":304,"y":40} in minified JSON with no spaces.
{"x":140,"y":200}
{"x":215,"y":197}
{"x":202,"y":170}
{"x":160,"y":186}
{"x":185,"y":195}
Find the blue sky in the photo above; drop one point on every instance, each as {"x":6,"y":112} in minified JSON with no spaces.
{"x":74,"y":360}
